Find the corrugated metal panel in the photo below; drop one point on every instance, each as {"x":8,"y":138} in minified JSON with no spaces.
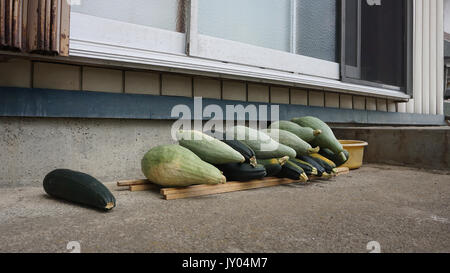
{"x":440,"y":57}
{"x":433,"y":58}
{"x":38,"y":26}
{"x":428,"y":58}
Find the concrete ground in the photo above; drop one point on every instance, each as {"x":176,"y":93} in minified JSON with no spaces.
{"x":405,"y":210}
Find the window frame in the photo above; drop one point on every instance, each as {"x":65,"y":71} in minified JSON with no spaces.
{"x":350,"y":73}
{"x":193,"y":53}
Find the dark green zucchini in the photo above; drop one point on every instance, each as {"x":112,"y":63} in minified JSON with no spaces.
{"x":242,"y":148}
{"x":242,"y":171}
{"x":273,"y":166}
{"x":331,"y":156}
{"x":328,"y":168}
{"x":292,"y":171}
{"x":308,"y":168}
{"x":79,"y":188}
{"x":237,"y":145}
{"x":320,"y":170}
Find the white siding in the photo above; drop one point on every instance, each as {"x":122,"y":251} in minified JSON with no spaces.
{"x":428,"y":58}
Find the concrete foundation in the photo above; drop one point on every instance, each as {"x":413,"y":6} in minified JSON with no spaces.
{"x":111,"y":149}
{"x":422,"y":147}
{"x":105,"y":148}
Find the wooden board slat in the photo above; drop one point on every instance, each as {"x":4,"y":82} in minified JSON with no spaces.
{"x":230,"y":187}
{"x":165,"y":191}
{"x":202,"y":190}
{"x":125,"y":183}
{"x":143,"y":187}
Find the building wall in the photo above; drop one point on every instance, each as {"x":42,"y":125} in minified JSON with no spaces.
{"x":428,"y":59}
{"x":36,"y":74}
{"x":111,"y":149}
{"x":108,"y":149}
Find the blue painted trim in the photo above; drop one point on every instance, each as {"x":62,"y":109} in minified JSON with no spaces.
{"x":34,"y":102}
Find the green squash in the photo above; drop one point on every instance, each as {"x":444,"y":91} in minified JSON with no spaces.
{"x":326,"y":139}
{"x":79,"y":188}
{"x":176,"y":166}
{"x":289,"y":139}
{"x":305,"y":133}
{"x":262,"y":144}
{"x":208,"y":148}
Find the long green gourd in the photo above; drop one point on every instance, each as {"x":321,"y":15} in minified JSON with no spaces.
{"x":176,"y":166}
{"x":262,"y":144}
{"x":326,"y":139}
{"x":291,"y":140}
{"x":305,"y":133}
{"x":208,"y":148}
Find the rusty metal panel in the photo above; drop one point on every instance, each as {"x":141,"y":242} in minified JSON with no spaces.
{"x":2,"y":22}
{"x":8,"y":17}
{"x":37,"y":26}
{"x":32,"y":25}
{"x":16,"y":33}
{"x":55,"y":25}
{"x":65,"y":29}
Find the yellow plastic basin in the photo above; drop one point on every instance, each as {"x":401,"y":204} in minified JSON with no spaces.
{"x":356,"y":150}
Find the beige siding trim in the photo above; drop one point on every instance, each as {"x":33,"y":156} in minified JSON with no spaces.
{"x":316,"y":98}
{"x":258,"y":93}
{"x":137,"y":82}
{"x":346,"y":101}
{"x":299,"y":97}
{"x":56,"y":76}
{"x":426,"y":57}
{"x":433,"y":57}
{"x":332,"y":100}
{"x":176,"y":85}
{"x":207,"y":88}
{"x":102,"y":80}
{"x":440,"y":57}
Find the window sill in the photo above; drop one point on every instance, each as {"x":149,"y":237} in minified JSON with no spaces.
{"x":192,"y":65}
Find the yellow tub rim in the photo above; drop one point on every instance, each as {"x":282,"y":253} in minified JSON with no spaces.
{"x":353,"y":143}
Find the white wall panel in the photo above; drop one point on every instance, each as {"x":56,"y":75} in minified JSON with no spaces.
{"x":426,"y":56}
{"x":433,"y":58}
{"x":417,"y":63}
{"x":440,"y":56}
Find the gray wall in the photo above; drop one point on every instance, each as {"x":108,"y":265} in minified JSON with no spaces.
{"x":422,"y":147}
{"x":107,"y":149}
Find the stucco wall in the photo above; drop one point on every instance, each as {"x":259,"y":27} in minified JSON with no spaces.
{"x":35,"y":74}
{"x":105,"y":148}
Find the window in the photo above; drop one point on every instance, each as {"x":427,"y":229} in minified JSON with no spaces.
{"x":377,"y":43}
{"x":291,"y":41}
{"x":316,"y":33}
{"x":156,"y":25}
{"x":268,"y":33}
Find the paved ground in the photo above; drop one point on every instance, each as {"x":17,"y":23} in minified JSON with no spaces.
{"x":405,"y":210}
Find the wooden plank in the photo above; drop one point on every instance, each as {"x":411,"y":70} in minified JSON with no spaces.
{"x":55,"y":25}
{"x":144,"y":187}
{"x":16,"y":41}
{"x":9,"y":22}
{"x":64,"y":29}
{"x":24,"y":24}
{"x":207,"y":187}
{"x":342,"y":171}
{"x":32,"y":25}
{"x":231,"y":188}
{"x":2,"y":22}
{"x":41,"y":26}
{"x":201,"y":190}
{"x":124,"y":183}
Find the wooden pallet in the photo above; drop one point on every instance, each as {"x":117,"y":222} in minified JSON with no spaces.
{"x":202,"y":190}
